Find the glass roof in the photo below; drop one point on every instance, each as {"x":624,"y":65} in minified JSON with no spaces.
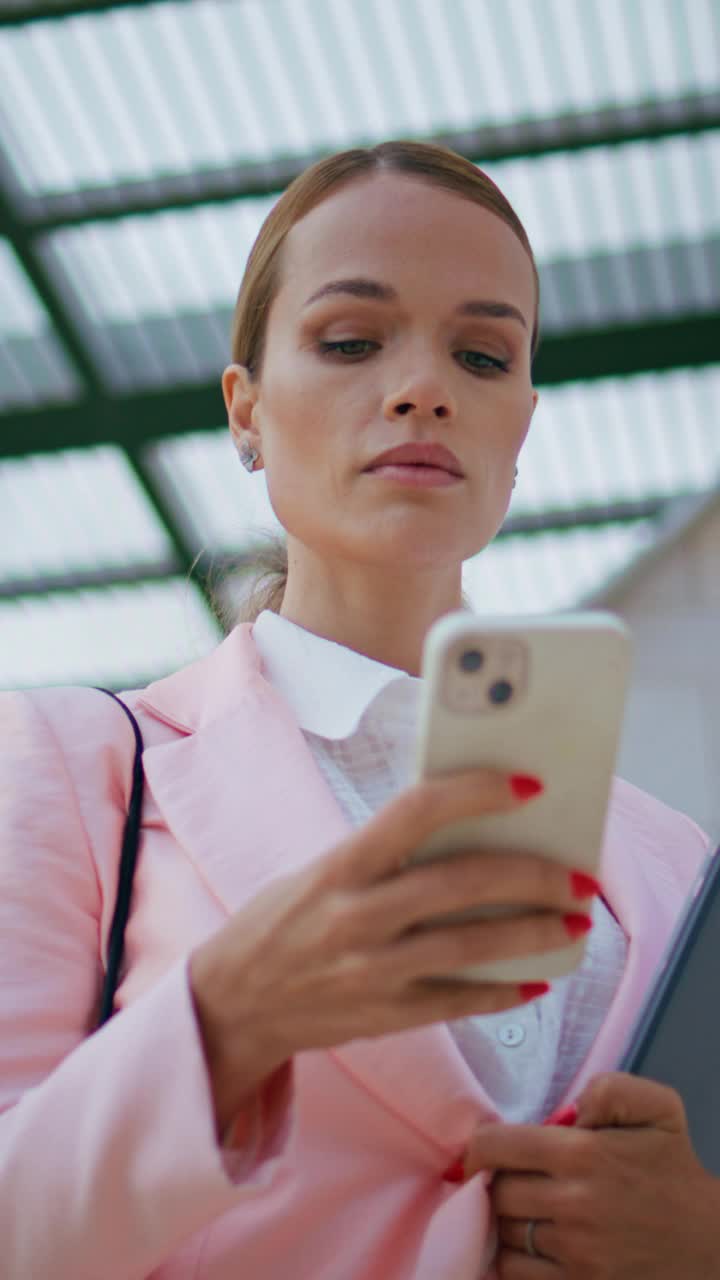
{"x":33,"y":365}
{"x":115,"y":636}
{"x":127,"y":635}
{"x":591,"y":444}
{"x":550,"y":570}
{"x":163,"y":104}
{"x":156,"y":291}
{"x":75,"y":511}
{"x":93,"y":99}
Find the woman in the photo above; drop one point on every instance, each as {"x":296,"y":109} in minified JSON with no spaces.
{"x":290,"y":1087}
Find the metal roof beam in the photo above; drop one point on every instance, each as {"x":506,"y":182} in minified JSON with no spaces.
{"x":17,"y":15}
{"x":171,"y":518}
{"x":23,"y":242}
{"x":96,"y":407}
{"x":640,"y":122}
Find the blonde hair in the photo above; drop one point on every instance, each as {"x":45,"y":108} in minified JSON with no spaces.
{"x":426,"y":161}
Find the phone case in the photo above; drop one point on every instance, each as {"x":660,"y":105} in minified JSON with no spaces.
{"x":538,"y":695}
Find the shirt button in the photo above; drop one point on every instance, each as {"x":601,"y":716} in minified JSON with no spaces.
{"x":512,"y":1034}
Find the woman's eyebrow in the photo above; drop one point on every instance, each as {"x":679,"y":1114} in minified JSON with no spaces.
{"x":360,"y":287}
{"x":488,"y":307}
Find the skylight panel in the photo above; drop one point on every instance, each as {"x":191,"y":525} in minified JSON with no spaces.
{"x":118,"y":636}
{"x":494,"y":99}
{"x":52,"y":53}
{"x":33,"y":366}
{"x":25,"y":96}
{"x":555,"y":195}
{"x":621,"y":439}
{"x":189,"y":263}
{"x":550,"y":571}
{"x":337,"y":112}
{"x":160,"y":263}
{"x":435,"y":36}
{"x":75,"y":510}
{"x":151,"y":289}
{"x":542,"y":57}
{"x":622,"y":67}
{"x":224,"y":505}
{"x":408,"y":94}
{"x":565,"y":23}
{"x":150,"y":90}
{"x":241,"y":112}
{"x":147,"y":78}
{"x":280,"y":88}
{"x":22,"y":314}
{"x":359,"y":72}
{"x":698,"y":40}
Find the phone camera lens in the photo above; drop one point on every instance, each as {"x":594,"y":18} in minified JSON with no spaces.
{"x":500,"y":691}
{"x":471,"y":660}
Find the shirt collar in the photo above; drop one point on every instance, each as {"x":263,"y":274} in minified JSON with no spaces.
{"x":327,"y":685}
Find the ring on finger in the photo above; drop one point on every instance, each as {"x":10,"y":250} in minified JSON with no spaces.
{"x":530,"y":1238}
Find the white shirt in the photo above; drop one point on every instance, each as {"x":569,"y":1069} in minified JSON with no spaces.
{"x":358,"y":718}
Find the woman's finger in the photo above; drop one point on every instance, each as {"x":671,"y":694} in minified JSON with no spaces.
{"x":440,"y":951}
{"x":480,"y":878}
{"x":617,"y":1099}
{"x":513,"y":1236}
{"x":387,"y":840}
{"x":443,"y":1000}
{"x":524,"y":1195}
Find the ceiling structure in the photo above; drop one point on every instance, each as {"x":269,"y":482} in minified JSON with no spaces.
{"x":142,"y":144}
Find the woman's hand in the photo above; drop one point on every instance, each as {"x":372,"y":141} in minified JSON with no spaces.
{"x":334,"y":952}
{"x":621,"y":1196}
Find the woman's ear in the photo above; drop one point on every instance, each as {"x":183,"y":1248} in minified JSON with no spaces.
{"x":240,"y":393}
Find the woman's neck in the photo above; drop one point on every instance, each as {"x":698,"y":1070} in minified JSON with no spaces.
{"x":380,"y":613}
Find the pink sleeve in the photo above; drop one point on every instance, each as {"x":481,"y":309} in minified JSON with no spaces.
{"x":108,"y":1155}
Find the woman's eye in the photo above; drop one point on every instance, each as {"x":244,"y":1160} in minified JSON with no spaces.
{"x":478,"y":361}
{"x":349,"y":347}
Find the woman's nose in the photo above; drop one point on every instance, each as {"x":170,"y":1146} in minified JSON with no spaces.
{"x":424,"y":397}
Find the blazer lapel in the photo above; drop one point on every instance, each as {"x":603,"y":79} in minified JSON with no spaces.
{"x":242,"y":795}
{"x":244,"y":799}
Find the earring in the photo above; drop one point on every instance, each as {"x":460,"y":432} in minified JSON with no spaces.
{"x":248,"y":456}
{"x":515,"y":478}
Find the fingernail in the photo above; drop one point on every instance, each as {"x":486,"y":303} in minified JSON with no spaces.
{"x":577,"y":924}
{"x":566,"y":1115}
{"x":524,"y":785}
{"x":583,"y":885}
{"x":455,"y":1172}
{"x":531,"y":990}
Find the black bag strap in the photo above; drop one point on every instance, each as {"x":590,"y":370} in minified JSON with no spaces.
{"x":128,"y":858}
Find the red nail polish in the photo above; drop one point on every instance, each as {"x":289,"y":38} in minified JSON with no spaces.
{"x":583,"y":885}
{"x":566,"y":1115}
{"x":531,"y":990}
{"x":455,"y":1172}
{"x":577,"y":924}
{"x":524,"y":785}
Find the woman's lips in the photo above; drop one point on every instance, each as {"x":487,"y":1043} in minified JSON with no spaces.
{"x":414,"y":476}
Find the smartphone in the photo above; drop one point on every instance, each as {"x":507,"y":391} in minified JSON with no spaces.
{"x":541,"y":695}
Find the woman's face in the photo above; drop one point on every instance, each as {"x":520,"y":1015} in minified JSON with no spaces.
{"x":402,"y":353}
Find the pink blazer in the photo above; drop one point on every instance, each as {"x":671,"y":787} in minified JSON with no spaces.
{"x":109,"y":1166}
